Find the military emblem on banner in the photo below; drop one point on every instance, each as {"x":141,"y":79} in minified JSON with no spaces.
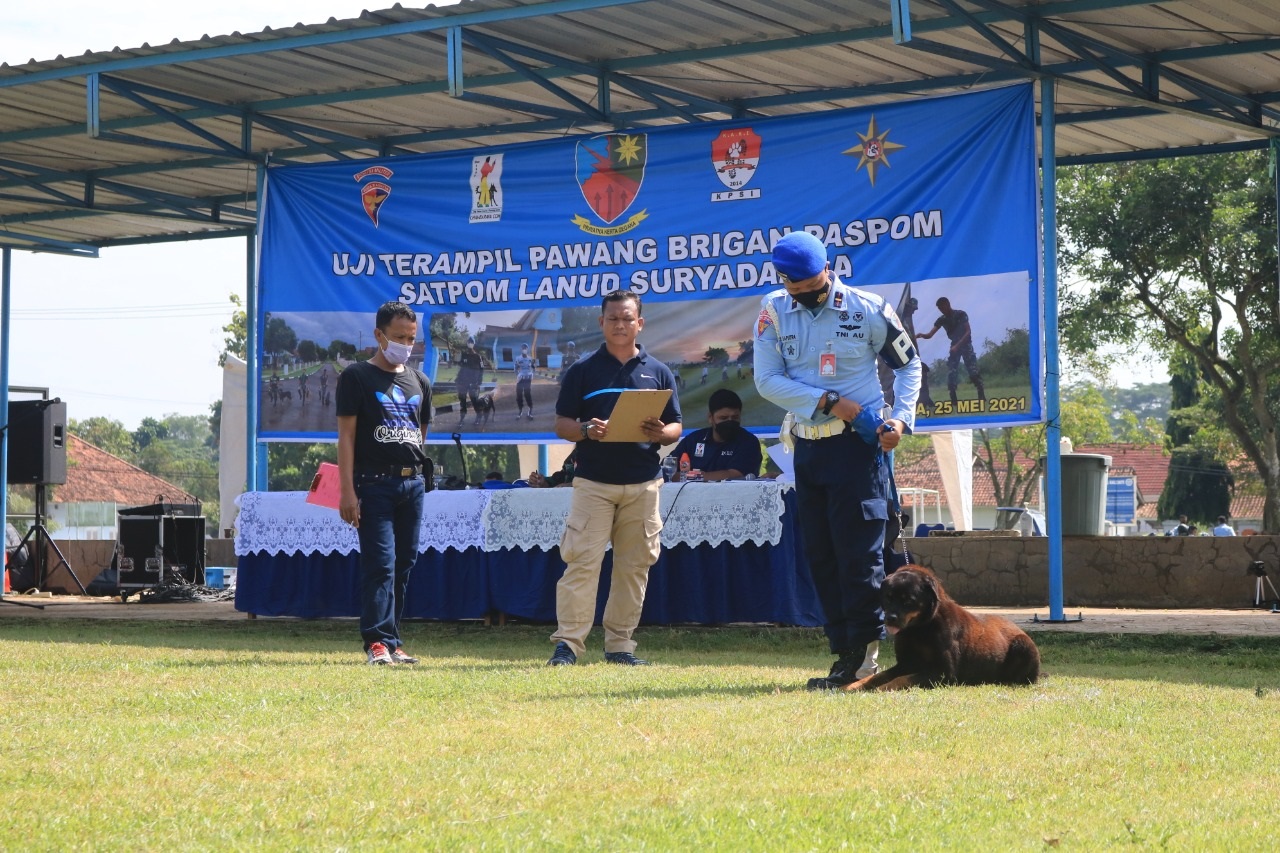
{"x":374,"y":193}
{"x":735,"y":155}
{"x":486,"y":188}
{"x":873,"y":150}
{"x":610,"y":172}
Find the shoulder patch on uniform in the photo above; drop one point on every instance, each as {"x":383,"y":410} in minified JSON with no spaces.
{"x":764,"y":321}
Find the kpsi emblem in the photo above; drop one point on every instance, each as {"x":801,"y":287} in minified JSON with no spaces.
{"x":374,"y":194}
{"x":735,"y":155}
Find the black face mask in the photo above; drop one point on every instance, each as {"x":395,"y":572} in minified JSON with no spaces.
{"x":812,"y":298}
{"x":728,"y":430}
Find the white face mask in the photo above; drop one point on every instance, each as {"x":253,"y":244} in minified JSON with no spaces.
{"x":397,"y":353}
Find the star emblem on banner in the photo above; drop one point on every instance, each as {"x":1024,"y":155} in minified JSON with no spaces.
{"x":874,"y":150}
{"x":628,"y":149}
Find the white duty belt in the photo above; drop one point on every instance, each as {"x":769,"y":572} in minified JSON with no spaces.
{"x":825,"y":430}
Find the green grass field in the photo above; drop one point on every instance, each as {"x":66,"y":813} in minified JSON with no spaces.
{"x":273,"y":734}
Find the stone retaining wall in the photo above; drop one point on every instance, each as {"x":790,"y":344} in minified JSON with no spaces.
{"x":1098,"y":571}
{"x":1102,"y":571}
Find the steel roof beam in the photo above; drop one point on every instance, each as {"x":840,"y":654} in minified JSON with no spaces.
{"x":489,"y":47}
{"x":554,"y":7}
{"x":981,"y":28}
{"x":568,"y":121}
{"x":36,"y":243}
{"x":511,"y":105}
{"x":133,"y":93}
{"x":1106,"y":58}
{"x":262,"y":107}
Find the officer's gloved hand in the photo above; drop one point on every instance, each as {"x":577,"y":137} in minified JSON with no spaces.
{"x":867,"y":425}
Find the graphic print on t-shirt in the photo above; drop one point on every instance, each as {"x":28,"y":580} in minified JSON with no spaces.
{"x":398,"y":426}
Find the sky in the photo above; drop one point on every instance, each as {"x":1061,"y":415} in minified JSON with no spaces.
{"x":136,"y":332}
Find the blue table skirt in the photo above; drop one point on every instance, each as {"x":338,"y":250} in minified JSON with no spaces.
{"x":705,"y":584}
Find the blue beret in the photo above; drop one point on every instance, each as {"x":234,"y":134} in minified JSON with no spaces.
{"x":799,"y":255}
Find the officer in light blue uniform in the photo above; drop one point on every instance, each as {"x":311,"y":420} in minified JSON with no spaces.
{"x":816,"y":346}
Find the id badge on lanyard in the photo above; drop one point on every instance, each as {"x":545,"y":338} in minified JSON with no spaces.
{"x":827,"y":361}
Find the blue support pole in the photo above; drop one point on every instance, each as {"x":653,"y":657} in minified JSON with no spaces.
{"x":544,"y":460}
{"x":901,"y":12}
{"x":1053,"y":412}
{"x":6,"y":269}
{"x":255,"y":475}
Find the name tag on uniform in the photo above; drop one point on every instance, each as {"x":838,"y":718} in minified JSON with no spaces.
{"x":827,"y":364}
{"x":699,"y":449}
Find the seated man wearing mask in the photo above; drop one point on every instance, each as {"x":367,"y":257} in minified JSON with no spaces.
{"x":724,"y":450}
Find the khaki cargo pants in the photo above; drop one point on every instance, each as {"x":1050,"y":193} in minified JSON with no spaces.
{"x":600,"y":513}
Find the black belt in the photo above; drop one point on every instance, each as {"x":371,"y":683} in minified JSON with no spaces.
{"x":391,"y":470}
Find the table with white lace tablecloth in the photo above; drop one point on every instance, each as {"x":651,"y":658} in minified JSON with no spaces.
{"x":730,"y":554}
{"x":729,"y":513}
{"x":284,"y":523}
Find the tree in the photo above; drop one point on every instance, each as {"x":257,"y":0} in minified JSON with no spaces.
{"x":1198,"y":485}
{"x":106,"y":433}
{"x":278,"y":336}
{"x":715,"y":355}
{"x":148,"y":431}
{"x":180,"y":449}
{"x":291,"y":466}
{"x":308,"y":350}
{"x":1180,"y":255}
{"x":1012,"y":458}
{"x":237,"y":341}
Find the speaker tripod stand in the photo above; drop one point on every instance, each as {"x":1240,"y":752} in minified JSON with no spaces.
{"x":41,"y":541}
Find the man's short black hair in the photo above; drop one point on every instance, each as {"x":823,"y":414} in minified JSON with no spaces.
{"x":723,"y":398}
{"x":1222,"y":519}
{"x":619,"y":296}
{"x":391,"y":310}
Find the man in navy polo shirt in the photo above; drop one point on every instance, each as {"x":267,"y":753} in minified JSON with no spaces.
{"x":724,"y":450}
{"x":615,"y":487}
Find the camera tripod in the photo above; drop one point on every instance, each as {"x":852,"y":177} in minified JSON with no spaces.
{"x":1257,"y":588}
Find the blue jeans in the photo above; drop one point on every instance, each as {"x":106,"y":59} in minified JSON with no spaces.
{"x":390,"y":516}
{"x":841,"y":499}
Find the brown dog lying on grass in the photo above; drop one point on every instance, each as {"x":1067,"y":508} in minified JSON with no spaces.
{"x":937,"y":641}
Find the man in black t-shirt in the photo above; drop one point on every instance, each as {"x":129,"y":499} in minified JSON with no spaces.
{"x":383,"y":409}
{"x":615,"y":487}
{"x":724,"y":450}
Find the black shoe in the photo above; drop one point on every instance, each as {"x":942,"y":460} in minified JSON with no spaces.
{"x":844,"y":671}
{"x":563,"y":656}
{"x":624,"y":658}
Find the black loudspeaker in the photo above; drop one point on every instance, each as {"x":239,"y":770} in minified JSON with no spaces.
{"x":37,"y":441}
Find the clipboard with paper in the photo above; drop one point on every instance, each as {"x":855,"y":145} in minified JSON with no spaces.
{"x":632,"y":407}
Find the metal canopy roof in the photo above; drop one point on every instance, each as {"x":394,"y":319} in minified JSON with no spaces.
{"x":165,"y":142}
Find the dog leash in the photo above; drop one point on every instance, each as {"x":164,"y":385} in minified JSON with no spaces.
{"x":897,"y":503}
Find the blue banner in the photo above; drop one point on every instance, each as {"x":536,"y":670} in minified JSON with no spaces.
{"x":516,"y":245}
{"x":1122,"y":500}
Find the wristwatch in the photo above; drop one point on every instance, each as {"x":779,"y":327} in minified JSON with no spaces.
{"x":586,"y":428}
{"x":829,"y":400}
